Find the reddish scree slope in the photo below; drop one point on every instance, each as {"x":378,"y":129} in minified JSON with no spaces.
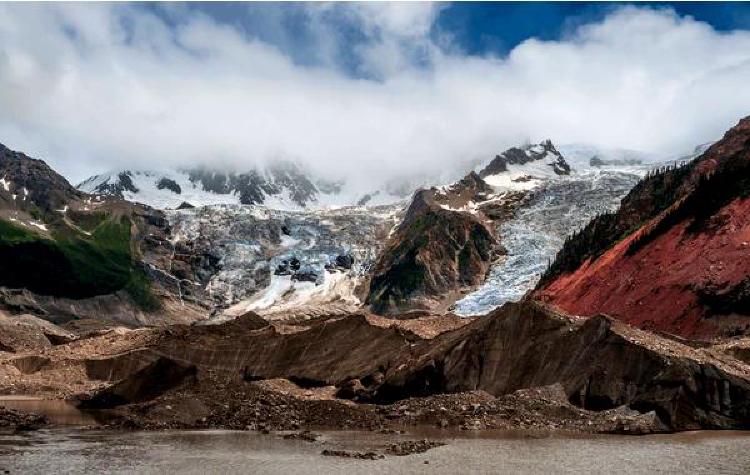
{"x":688,"y":280}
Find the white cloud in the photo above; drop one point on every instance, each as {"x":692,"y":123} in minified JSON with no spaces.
{"x":94,"y":87}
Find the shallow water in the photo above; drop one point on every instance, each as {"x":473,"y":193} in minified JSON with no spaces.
{"x":57,"y":411}
{"x":70,"y":450}
{"x":67,"y":448}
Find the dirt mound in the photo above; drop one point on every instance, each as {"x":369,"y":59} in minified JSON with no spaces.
{"x":20,"y":333}
{"x":147,"y":383}
{"x":599,"y":365}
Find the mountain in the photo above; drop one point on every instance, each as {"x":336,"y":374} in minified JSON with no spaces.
{"x":536,"y":230}
{"x":673,"y":257}
{"x":66,"y":254}
{"x":280,"y":186}
{"x":450,"y":238}
{"x":523,"y":167}
{"x":444,"y":243}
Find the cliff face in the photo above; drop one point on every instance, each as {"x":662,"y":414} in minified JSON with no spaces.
{"x":443,"y":245}
{"x":674,"y":257}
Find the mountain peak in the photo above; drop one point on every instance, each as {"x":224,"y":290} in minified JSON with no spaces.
{"x":544,"y":152}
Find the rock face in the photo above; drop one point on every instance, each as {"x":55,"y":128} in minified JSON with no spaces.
{"x":444,"y":244}
{"x":598,"y":364}
{"x":674,"y":256}
{"x":30,"y":185}
{"x":254,"y":186}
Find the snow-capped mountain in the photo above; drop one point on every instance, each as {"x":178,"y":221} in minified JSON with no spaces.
{"x":521,"y":168}
{"x":282,"y":186}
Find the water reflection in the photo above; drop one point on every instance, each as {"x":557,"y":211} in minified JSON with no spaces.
{"x":67,"y":450}
{"x":57,"y":411}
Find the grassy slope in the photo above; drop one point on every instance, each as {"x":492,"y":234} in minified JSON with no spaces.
{"x":73,"y":264}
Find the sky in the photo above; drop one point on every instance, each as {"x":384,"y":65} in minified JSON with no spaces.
{"x":363,"y":91}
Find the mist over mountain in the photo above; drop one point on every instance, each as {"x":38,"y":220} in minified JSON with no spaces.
{"x":124,"y":86}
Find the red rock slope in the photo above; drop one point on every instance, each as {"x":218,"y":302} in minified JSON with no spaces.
{"x":675,"y":257}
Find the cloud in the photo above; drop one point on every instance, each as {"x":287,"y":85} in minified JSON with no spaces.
{"x":97,"y":87}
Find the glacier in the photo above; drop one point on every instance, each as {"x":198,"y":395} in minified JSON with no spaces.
{"x":556,"y":208}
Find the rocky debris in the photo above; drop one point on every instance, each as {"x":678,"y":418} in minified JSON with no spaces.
{"x":185,"y":205}
{"x":305,"y":435}
{"x":351,"y":454}
{"x":17,"y":421}
{"x":400,"y":449}
{"x":409,"y":447}
{"x":215,"y":402}
{"x":686,"y":387}
{"x":565,"y":372}
{"x":737,"y":348}
{"x":145,"y":384}
{"x":16,"y":336}
{"x":672,"y":258}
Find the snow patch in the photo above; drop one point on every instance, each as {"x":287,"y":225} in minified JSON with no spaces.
{"x":41,"y":226}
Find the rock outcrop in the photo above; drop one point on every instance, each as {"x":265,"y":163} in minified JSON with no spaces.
{"x":673,"y":258}
{"x":544,"y":152}
{"x":443,"y":245}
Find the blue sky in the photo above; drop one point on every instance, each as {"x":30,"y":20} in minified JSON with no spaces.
{"x":373,"y":90}
{"x":482,"y":28}
{"x":475,"y":28}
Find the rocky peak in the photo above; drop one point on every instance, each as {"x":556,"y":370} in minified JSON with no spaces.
{"x":26,"y":182}
{"x":542,"y":152}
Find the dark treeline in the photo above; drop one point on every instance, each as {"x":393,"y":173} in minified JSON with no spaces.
{"x":658,"y":190}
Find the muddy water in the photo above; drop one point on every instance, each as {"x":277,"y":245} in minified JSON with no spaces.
{"x":58,"y":412}
{"x":70,"y":450}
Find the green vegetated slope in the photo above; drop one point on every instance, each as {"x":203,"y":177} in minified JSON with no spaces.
{"x":73,"y":264}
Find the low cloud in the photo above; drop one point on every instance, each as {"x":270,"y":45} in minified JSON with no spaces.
{"x":97,"y":87}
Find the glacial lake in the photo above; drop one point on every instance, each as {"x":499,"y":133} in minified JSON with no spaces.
{"x":68,"y":448}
